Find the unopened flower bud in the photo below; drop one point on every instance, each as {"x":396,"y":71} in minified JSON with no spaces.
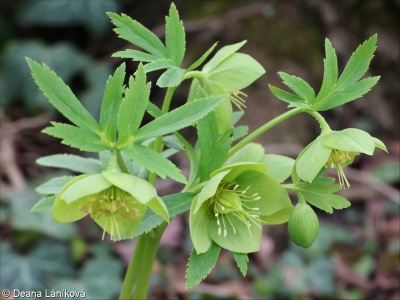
{"x":303,"y":225}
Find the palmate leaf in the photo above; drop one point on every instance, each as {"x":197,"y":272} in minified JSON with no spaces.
{"x":61,"y":97}
{"x":171,"y":78}
{"x":175,"y":36}
{"x":154,"y":162}
{"x":111,"y":103}
{"x":299,"y":86}
{"x":242,"y":261}
{"x":133,"y":106}
{"x":199,"y":266}
{"x":179,"y":118}
{"x":44,"y":205}
{"x":76,"y":137}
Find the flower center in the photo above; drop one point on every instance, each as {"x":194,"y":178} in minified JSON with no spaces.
{"x":339,"y":159}
{"x":111,"y":202}
{"x":230,"y":201}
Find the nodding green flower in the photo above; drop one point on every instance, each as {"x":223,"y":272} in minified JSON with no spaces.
{"x":115,"y":201}
{"x":232,"y":206}
{"x":335,"y":149}
{"x":228,"y":72}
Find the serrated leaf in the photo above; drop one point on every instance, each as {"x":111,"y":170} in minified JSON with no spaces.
{"x":111,"y":103}
{"x":44,"y":205}
{"x":175,"y":36}
{"x":171,"y":78}
{"x":61,"y":96}
{"x":199,"y":266}
{"x":239,"y":132}
{"x":176,"y":205}
{"x":133,"y":106}
{"x":330,"y":71}
{"x":164,"y":63}
{"x":285,"y":96}
{"x":53,"y":186}
{"x":135,"y":33}
{"x":322,"y":196}
{"x":71,"y":162}
{"x":299,"y":86}
{"x":179,"y":118}
{"x":346,"y":94}
{"x":135,"y":55}
{"x":79,"y":138}
{"x":242,"y":261}
{"x":154,"y":162}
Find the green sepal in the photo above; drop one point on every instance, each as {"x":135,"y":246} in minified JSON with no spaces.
{"x":350,"y":139}
{"x":278,"y":166}
{"x":157,"y":205}
{"x":252,"y":152}
{"x":85,"y":186}
{"x":279,"y":217}
{"x":198,"y":224}
{"x":222,"y":55}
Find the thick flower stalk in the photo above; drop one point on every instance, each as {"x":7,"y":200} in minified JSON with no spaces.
{"x":335,"y":149}
{"x":231,"y":207}
{"x":115,"y":201}
{"x":228,"y":72}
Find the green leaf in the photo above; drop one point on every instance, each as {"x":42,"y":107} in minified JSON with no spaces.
{"x":299,"y":86}
{"x":61,"y":96}
{"x":202,"y":58}
{"x":322,"y":196}
{"x":239,"y":132}
{"x":358,"y":63}
{"x":154,"y":162}
{"x":348,"y":87}
{"x":179,"y":118}
{"x":175,"y":36}
{"x":171,"y":78}
{"x":79,"y":138}
{"x":135,"y":55}
{"x":135,"y":33}
{"x":133,"y":106}
{"x":176,"y":205}
{"x":44,"y":205}
{"x":199,"y":266}
{"x":111,"y":103}
{"x":285,"y":96}
{"x":54,"y":185}
{"x":71,"y":162}
{"x":164,"y":63}
{"x":345,"y":94}
{"x":214,"y":147}
{"x":242,"y":261}
{"x":330,"y":71}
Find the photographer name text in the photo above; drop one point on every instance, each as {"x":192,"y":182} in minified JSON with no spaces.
{"x":64,"y":293}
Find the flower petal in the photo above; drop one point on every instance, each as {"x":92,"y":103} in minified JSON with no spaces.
{"x":279,"y":167}
{"x":198,"y":229}
{"x":222,"y":55}
{"x":237,"y":168}
{"x":85,"y":186}
{"x":158,"y":206}
{"x":273,"y":196}
{"x":252,"y":152}
{"x":242,"y":241}
{"x":64,"y":212}
{"x":311,"y":160}
{"x":139,"y":188}
{"x":208,"y":190}
{"x":350,"y":139}
{"x":118,"y":225}
{"x":280,"y":217}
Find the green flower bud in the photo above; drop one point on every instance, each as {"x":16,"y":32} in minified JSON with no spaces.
{"x":303,"y":225}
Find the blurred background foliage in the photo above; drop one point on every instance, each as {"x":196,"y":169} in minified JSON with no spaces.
{"x":356,"y":255}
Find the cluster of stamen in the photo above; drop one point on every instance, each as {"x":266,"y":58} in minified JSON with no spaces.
{"x":238,"y":100}
{"x":233,"y":201}
{"x":111,"y":202}
{"x":337,"y":160}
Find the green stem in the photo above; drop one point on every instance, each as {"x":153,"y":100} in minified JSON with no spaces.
{"x":320,"y":119}
{"x":121,"y":163}
{"x":147,"y":260}
{"x":256,"y":133}
{"x":132,"y":271}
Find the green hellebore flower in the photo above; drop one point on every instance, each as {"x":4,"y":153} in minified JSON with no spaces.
{"x":335,"y":149}
{"x":228,"y":72}
{"x":231,"y":208}
{"x":115,"y":201}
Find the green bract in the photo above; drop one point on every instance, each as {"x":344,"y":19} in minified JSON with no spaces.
{"x":116,"y":201}
{"x":230,"y":208}
{"x":228,"y":72}
{"x":335,"y":149}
